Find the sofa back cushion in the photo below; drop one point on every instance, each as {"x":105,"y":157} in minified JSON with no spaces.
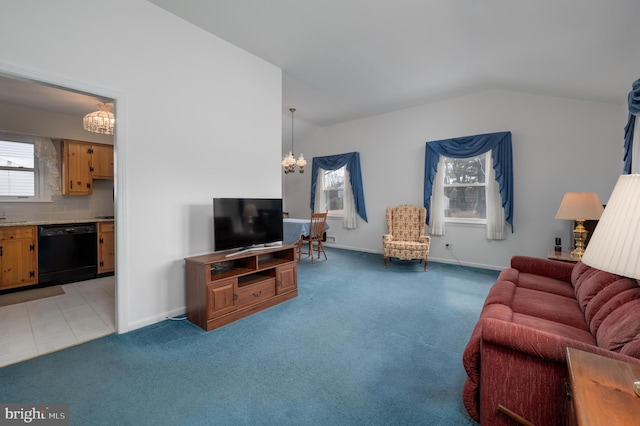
{"x":588,"y":282}
{"x":594,"y":288}
{"x":611,"y":306}
{"x":621,"y":328}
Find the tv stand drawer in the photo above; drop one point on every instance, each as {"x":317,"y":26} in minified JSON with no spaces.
{"x":255,"y":293}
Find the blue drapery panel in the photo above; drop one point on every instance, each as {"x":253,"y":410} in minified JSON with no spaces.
{"x":334,"y":162}
{"x":470,"y":146}
{"x":634,"y":109}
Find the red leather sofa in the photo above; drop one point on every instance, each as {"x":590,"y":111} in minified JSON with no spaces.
{"x":535,"y":310}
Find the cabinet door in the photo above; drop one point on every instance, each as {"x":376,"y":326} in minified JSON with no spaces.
{"x":286,"y":278}
{"x":102,"y":162}
{"x":221,"y":297}
{"x":76,"y":159}
{"x":18,"y":257}
{"x":106,"y":247}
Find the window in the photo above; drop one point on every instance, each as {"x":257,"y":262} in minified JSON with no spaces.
{"x":465,"y":189}
{"x":17,"y":169}
{"x":22,"y":178}
{"x":334,"y":191}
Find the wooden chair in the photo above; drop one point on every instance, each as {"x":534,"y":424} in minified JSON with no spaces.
{"x":316,"y":233}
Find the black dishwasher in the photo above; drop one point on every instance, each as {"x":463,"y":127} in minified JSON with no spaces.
{"x":67,"y":253}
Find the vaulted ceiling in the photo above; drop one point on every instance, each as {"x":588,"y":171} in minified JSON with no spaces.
{"x":347,"y":59}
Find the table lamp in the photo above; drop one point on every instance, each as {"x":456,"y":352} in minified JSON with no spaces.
{"x":615,"y":244}
{"x":580,"y":206}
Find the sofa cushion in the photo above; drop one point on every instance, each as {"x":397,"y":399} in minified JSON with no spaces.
{"x":555,"y":328}
{"x":501,"y":292}
{"x":589,"y":282}
{"x":609,"y":299}
{"x":509,"y":274}
{"x":622,"y":326}
{"x":632,"y":348}
{"x":548,"y":306}
{"x":546,"y":284}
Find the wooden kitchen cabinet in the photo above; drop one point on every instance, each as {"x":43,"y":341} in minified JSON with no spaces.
{"x":82,"y":162}
{"x":101,"y":161}
{"x":18,"y":256}
{"x":106,"y":247}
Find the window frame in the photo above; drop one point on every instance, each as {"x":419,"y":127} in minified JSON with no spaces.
{"x":469,"y":220}
{"x":42,"y":191}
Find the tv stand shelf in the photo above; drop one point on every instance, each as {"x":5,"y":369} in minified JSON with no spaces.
{"x":222,"y":289}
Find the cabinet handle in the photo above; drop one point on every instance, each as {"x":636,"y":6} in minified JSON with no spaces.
{"x":71,"y":184}
{"x":279,"y":283}
{"x":0,"y":250}
{"x":258,"y":294}
{"x":235,"y":296}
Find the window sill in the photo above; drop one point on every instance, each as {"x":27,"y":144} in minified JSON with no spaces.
{"x":473,"y":224}
{"x":25,"y":200}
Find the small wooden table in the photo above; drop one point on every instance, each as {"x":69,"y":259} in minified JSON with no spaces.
{"x":602,"y":390}
{"x":562,"y":256}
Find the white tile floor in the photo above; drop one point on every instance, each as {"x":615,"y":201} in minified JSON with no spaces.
{"x":85,"y":312}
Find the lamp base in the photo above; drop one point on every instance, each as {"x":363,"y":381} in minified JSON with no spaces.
{"x":580,"y":235}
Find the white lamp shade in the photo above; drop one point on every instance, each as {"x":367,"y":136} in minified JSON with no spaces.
{"x":580,"y":205}
{"x":615,"y":244}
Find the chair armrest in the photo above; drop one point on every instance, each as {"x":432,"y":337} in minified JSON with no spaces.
{"x":386,"y":238}
{"x":424,"y":239}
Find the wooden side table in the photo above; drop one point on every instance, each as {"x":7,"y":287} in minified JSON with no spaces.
{"x":562,"y":256}
{"x":602,"y":390}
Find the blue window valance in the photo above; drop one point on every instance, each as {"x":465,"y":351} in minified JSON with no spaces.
{"x":471,"y":146}
{"x":634,"y":109}
{"x":334,"y":162}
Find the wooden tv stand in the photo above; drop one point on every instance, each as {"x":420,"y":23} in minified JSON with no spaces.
{"x":223,"y":289}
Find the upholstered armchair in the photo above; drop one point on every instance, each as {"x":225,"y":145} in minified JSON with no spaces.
{"x":405,"y":239}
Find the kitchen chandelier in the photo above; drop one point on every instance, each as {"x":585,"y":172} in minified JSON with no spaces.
{"x":289,"y":162}
{"x":101,"y":121}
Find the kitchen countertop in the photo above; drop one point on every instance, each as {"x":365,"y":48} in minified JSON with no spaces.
{"x":6,"y":223}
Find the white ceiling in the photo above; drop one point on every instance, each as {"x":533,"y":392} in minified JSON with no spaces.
{"x":348,"y":59}
{"x":22,"y":92}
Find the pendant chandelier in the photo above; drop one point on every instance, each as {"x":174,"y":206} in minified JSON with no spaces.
{"x":101,"y":121}
{"x":289,"y":162}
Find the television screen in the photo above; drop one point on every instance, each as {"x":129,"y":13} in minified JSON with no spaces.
{"x":240,"y":223}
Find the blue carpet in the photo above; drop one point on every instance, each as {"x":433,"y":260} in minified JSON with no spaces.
{"x":360,"y":345}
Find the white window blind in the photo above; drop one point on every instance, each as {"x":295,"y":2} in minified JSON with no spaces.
{"x":17,"y":169}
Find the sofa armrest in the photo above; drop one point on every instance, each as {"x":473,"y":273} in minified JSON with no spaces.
{"x":539,"y":344}
{"x":544,"y":267}
{"x":525,"y":370}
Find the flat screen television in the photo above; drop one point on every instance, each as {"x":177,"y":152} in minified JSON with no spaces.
{"x":245,"y":223}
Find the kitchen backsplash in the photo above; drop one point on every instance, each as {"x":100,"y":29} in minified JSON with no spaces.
{"x":65,"y":207}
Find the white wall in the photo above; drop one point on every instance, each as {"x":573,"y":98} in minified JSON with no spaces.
{"x":559,"y":145}
{"x":196,"y":118}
